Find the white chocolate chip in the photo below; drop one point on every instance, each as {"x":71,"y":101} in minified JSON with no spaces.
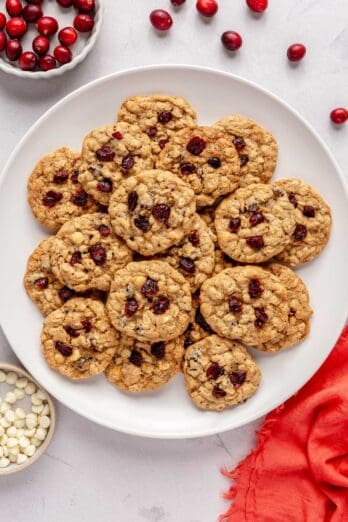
{"x":5,"y":448}
{"x":12,"y":442}
{"x":20,"y":432}
{"x":19,"y":423}
{"x":19,"y":393}
{"x":30,"y":450}
{"x":35,"y":442}
{"x":30,"y":388}
{"x":31,"y":420}
{"x":37,"y":409}
{"x":4,"y":462}
{"x":2,"y":376}
{"x":10,"y":397}
{"x":41,"y":434}
{"x":4,"y":423}
{"x":11,"y":378}
{"x":12,"y":458}
{"x":13,"y":451}
{"x":10,"y":415}
{"x":44,"y":421}
{"x":11,"y":431}
{"x":22,"y":382}
{"x":41,"y":395}
{"x":4,"y":439}
{"x":24,"y":442}
{"x":29,"y":433}
{"x":1,"y":452}
{"x":2,"y":430}
{"x":4,"y":407}
{"x":21,"y":458}
{"x":20,"y":413}
{"x":46,"y":410}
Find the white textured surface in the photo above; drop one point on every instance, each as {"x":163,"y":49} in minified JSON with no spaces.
{"x":90,"y":472}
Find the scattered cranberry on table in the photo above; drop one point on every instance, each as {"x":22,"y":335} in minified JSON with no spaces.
{"x":258,"y":6}
{"x":47,"y":62}
{"x":31,"y":13}
{"x":83,"y":23}
{"x":14,"y":7}
{"x":296,"y":52}
{"x":2,"y":20}
{"x":67,"y":36}
{"x":28,"y":61}
{"x":231,"y":40}
{"x":207,"y":7}
{"x":84,"y":6}
{"x":62,"y":54}
{"x":3,"y":40}
{"x":47,"y":25}
{"x":339,"y":115}
{"x":161,"y":20}
{"x":41,"y":45}
{"x":16,"y":27}
{"x":13,"y":50}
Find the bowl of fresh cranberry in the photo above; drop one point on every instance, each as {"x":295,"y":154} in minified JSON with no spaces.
{"x":46,"y":38}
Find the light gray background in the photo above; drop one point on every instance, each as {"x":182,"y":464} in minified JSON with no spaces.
{"x":90,"y":473}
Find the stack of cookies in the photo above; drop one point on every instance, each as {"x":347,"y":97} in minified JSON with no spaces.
{"x":172,"y":251}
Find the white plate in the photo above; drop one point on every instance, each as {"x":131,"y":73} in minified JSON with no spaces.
{"x":169,"y":413}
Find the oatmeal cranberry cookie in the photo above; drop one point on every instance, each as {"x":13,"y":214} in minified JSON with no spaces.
{"x":111,"y":154}
{"x":257,"y":148}
{"x":85,"y":254}
{"x":194,"y":257}
{"x":298,"y":324}
{"x":141,"y":366}
{"x":152,"y":211}
{"x":149,"y":300}
{"x":255,"y":223}
{"x":158,"y":116}
{"x":206,"y":159}
{"x":54,"y":193}
{"x":313,"y":222}
{"x":246,"y":303}
{"x":219,"y":373}
{"x":198,"y":327}
{"x":77,"y":340}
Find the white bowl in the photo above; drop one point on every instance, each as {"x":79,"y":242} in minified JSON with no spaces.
{"x":81,"y":49}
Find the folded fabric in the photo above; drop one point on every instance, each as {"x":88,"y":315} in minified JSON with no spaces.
{"x":299,"y":470}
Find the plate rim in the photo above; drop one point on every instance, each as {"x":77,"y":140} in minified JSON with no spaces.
{"x":197,"y":68}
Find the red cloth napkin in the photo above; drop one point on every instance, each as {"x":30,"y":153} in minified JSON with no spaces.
{"x":299,"y":470}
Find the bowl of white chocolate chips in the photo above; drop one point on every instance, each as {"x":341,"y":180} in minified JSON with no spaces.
{"x":27,"y":419}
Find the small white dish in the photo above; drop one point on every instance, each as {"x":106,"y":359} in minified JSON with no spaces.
{"x":15,"y":468}
{"x":80,"y":49}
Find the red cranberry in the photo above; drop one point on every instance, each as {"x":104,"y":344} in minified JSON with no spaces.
{"x":42,"y":283}
{"x":194,"y":238}
{"x":31,"y":13}
{"x":161,"y":20}
{"x":131,"y":307}
{"x":3,"y":41}
{"x":47,"y":62}
{"x":196,"y":145}
{"x":207,"y":7}
{"x":255,"y":288}
{"x":149,"y":288}
{"x":142,"y":223}
{"x":28,"y":61}
{"x":65,"y":3}
{"x":104,"y":230}
{"x":16,"y":27}
{"x":243,"y":159}
{"x":177,"y":2}
{"x":63,"y":348}
{"x":80,"y":198}
{"x":13,"y":50}
{"x":152,"y":132}
{"x":308,"y":211}
{"x":239,"y":143}
{"x":47,"y":25}
{"x":339,"y":115}
{"x":105,"y":153}
{"x":14,"y":7}
{"x":132,"y":201}
{"x":127,"y":162}
{"x":187,"y":265}
{"x":62,"y":54}
{"x":158,"y":350}
{"x":296,"y":52}
{"x":231,"y":40}
{"x":214,"y":162}
{"x":75,"y":258}
{"x":235,"y":305}
{"x":214,"y":371}
{"x":85,"y":6}
{"x":165,"y":117}
{"x":117,"y":135}
{"x":162,"y":143}
{"x":2,"y":20}
{"x":67,"y":36}
{"x":258,"y":6}
{"x":105,"y":186}
{"x":300,"y":232}
{"x":234,"y":224}
{"x":71,"y":331}
{"x":66,"y":293}
{"x":255,"y":242}
{"x":87,"y":325}
{"x":60,"y":177}
{"x":187,"y":168}
{"x":237,"y":378}
{"x":98,"y":254}
{"x":51,"y":198}
{"x":218,"y":393}
{"x":83,"y":23}
{"x":136,"y":358}
{"x":261,"y":317}
{"x":256,"y":218}
{"x":41,"y":45}
{"x":160,"y":305}
{"x":292,"y":198}
{"x":161,"y":212}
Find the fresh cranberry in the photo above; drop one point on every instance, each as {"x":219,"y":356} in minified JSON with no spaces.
{"x":127,"y":162}
{"x":75,"y":258}
{"x":339,"y":115}
{"x":98,"y":254}
{"x":218,"y":393}
{"x":207,"y":7}
{"x":187,"y":264}
{"x":142,"y":223}
{"x":16,"y":27}
{"x":177,"y":2}
{"x":41,"y":45}
{"x":237,"y":378}
{"x":158,"y":350}
{"x":47,"y":62}
{"x":62,"y":54}
{"x":42,"y":283}
{"x":199,"y":319}
{"x":51,"y":198}
{"x":60,"y":177}
{"x":104,"y":230}
{"x":196,"y":145}
{"x":105,"y":153}
{"x":239,"y":143}
{"x":149,"y":288}
{"x":300,"y":232}
{"x":234,"y":225}
{"x":296,"y":52}
{"x":194,"y":238}
{"x":256,"y":218}
{"x":162,"y":143}
{"x":258,"y":6}
{"x":117,"y":135}
{"x":14,"y":7}
{"x":27,"y":61}
{"x":187,"y":168}
{"x":152,"y":132}
{"x":85,"y":6}
{"x":3,"y":41}
{"x":231,"y":40}
{"x":255,"y":242}
{"x":308,"y":211}
{"x":67,"y":36}
{"x":292,"y":198}
{"x":161,"y":20}
{"x":47,"y":25}
{"x":71,"y":331}
{"x":2,"y":20}
{"x":235,"y":305}
{"x":31,"y":13}
{"x":255,"y":288}
{"x":214,"y":371}
{"x":105,"y":186}
{"x":243,"y":159}
{"x":65,"y":3}
{"x":261,"y":317}
{"x":161,"y":212}
{"x":136,"y":358}
{"x":63,"y":348}
{"x":83,"y":23}
{"x":132,"y":200}
{"x":66,"y":293}
{"x":165,"y":117}
{"x":131,"y":307}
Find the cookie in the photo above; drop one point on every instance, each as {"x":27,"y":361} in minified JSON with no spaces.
{"x":312,"y":218}
{"x":152,"y":211}
{"x":257,"y":148}
{"x":298,"y":324}
{"x":254,"y":223}
{"x":158,"y":116}
{"x":54,"y":192}
{"x":85,"y":254}
{"x":149,"y":300}
{"x":219,"y":373}
{"x":111,"y":154}
{"x":198,"y":327}
{"x":206,"y":159}
{"x":77,"y":340}
{"x":194,"y":257}
{"x":246,"y":303}
{"x":141,"y":366}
